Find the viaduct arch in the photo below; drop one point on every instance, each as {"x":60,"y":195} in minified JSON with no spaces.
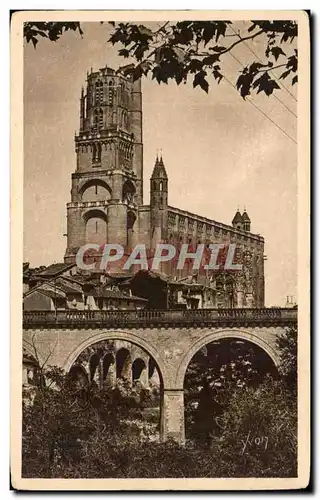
{"x":170,"y":338}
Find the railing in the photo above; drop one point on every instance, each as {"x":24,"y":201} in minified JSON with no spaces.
{"x":168,"y":318}
{"x":87,"y":204}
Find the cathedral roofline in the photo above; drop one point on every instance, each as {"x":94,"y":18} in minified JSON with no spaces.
{"x":219,"y":225}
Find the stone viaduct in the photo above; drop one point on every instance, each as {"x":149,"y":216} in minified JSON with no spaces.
{"x":170,"y":337}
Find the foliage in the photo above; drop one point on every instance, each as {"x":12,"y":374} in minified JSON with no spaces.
{"x":196,"y":49}
{"x":213,"y":375}
{"x":53,"y":31}
{"x":85,"y":446}
{"x":243,"y":425}
{"x":60,"y":418}
{"x":266,"y":415}
{"x":288,"y":346}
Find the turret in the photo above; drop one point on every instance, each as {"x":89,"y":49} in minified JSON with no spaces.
{"x":159,"y":185}
{"x":82,"y":109}
{"x":237,"y":220}
{"x":158,"y":202}
{"x":246,"y":221}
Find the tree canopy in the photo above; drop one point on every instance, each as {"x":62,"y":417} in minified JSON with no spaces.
{"x":196,"y":49}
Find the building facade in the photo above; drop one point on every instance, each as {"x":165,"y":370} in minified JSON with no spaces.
{"x":107,"y":194}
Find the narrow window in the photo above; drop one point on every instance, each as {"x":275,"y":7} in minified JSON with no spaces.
{"x":110,"y":93}
{"x":100,"y":119}
{"x":96,"y":119}
{"x":98,"y":155}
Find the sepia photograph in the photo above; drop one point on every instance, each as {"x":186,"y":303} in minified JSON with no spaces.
{"x":160,"y":215}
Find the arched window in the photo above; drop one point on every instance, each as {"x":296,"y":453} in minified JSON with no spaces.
{"x":139,"y":370}
{"x":108,"y":361}
{"x":124,"y":119}
{"x":160,"y":186}
{"x":123,"y":364}
{"x":96,"y":152}
{"x":99,"y":91}
{"x":93,"y":364}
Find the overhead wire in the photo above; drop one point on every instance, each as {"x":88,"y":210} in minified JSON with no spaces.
{"x":250,"y":101}
{"x":259,"y":59}
{"x":276,"y":97}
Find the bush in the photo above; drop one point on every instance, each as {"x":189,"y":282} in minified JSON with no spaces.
{"x":64,"y":439}
{"x":259,"y":432}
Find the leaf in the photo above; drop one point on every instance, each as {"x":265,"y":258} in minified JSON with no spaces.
{"x":271,"y":87}
{"x":218,"y":48}
{"x":285,"y":74}
{"x":184,"y":36}
{"x":244,"y":83}
{"x":276,"y":52}
{"x":292,"y":63}
{"x":217,"y":75}
{"x":145,"y":66}
{"x":200,"y":80}
{"x":221,"y":29}
{"x":140,"y":50}
{"x":158,"y":75}
{"x":195,"y":65}
{"x":209,"y":60}
{"x":157,"y":55}
{"x":124,"y":52}
{"x":180,"y":53}
{"x":295,"y":79}
{"x":145,"y":31}
{"x":254,"y":67}
{"x":252,"y":27}
{"x":137,"y":73}
{"x":265,"y":84}
{"x":208,"y":33}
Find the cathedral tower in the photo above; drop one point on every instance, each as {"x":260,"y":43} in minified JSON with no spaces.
{"x":107,"y":184}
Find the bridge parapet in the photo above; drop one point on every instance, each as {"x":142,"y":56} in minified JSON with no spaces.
{"x":164,"y":318}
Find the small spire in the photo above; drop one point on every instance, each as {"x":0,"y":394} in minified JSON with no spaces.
{"x":159,"y":168}
{"x":237,"y":218}
{"x":245,"y":216}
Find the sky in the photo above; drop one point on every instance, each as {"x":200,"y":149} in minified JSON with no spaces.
{"x":220,"y":152}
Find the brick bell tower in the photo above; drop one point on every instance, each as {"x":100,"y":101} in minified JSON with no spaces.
{"x":107,"y":184}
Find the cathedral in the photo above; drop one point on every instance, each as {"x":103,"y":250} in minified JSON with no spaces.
{"x":107,"y":203}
